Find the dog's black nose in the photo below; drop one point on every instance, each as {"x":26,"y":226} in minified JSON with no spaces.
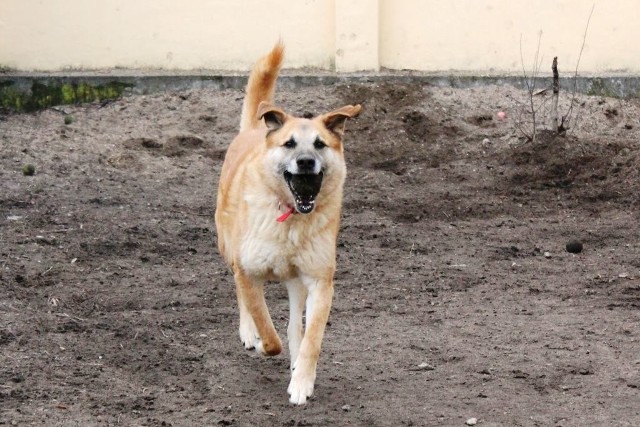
{"x":306,"y":163}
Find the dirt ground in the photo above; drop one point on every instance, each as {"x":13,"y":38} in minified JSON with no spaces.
{"x":455,"y":295}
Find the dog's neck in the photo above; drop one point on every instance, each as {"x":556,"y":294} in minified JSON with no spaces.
{"x":290,"y":210}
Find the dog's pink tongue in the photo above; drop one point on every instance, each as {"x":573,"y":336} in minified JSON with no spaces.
{"x":290,"y":211}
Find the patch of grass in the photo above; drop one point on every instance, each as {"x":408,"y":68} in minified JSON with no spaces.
{"x":28,"y":169}
{"x":44,"y":94}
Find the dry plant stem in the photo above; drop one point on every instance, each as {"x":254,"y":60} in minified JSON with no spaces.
{"x":556,"y":94}
{"x":531,"y":88}
{"x":567,"y":117}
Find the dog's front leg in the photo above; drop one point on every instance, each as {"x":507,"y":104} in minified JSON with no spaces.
{"x":320,"y":295}
{"x":295,"y":331}
{"x":251,"y":303}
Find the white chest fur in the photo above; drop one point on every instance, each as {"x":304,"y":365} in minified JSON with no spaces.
{"x":278,"y":250}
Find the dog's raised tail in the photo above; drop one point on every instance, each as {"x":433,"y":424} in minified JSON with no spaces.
{"x":261,"y":86}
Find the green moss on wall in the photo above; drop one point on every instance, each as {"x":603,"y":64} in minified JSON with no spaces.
{"x":44,"y":94}
{"x":601,"y":87}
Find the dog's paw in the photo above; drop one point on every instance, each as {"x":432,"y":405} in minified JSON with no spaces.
{"x":300,"y":388}
{"x":253,"y":342}
{"x":252,"y":345}
{"x":250,"y":338}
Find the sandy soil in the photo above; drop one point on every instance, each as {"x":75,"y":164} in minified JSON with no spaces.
{"x":455,"y":295}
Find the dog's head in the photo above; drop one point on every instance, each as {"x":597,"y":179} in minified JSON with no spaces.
{"x":305,"y":156}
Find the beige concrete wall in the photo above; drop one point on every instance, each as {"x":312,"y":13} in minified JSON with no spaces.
{"x":477,"y":36}
{"x":484,"y":35}
{"x":168,"y":34}
{"x":357,"y":39}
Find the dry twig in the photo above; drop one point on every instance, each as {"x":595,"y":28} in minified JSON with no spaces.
{"x":556,"y":95}
{"x":566,"y":119}
{"x":530,"y":82}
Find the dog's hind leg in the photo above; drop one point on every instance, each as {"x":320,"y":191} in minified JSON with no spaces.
{"x":303,"y":377}
{"x":256,"y":328}
{"x":297,"y":298}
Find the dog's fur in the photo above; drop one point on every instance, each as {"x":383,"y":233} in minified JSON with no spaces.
{"x":268,"y":232}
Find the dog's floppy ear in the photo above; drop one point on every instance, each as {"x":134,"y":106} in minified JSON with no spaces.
{"x":273,"y":117}
{"x":334,"y":121}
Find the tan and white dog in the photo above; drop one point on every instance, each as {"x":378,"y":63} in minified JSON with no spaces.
{"x":277,"y":218}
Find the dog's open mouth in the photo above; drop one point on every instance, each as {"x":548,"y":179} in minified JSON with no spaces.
{"x":304,"y":187}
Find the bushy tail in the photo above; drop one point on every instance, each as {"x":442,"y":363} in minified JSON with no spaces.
{"x":261,"y":86}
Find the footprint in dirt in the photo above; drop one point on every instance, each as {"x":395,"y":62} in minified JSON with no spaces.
{"x":181,"y":144}
{"x":143,"y":143}
{"x":174,"y":145}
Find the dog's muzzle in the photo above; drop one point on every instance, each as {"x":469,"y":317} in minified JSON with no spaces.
{"x":304,"y":188}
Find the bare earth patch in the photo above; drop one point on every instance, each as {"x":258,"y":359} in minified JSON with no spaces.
{"x":455,"y":295}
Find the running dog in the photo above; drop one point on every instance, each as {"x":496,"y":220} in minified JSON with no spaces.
{"x":277,"y":218}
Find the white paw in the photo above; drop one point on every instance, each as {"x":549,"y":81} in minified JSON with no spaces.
{"x":300,"y":388}
{"x":249,"y":336}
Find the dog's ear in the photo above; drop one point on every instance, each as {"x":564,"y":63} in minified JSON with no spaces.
{"x":273,"y":117}
{"x":335,"y":120}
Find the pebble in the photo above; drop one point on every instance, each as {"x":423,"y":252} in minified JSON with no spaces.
{"x":28,"y":169}
{"x":472,"y":421}
{"x":346,"y":408}
{"x":574,"y":246}
{"x":547,"y":254}
{"x":424,"y":366}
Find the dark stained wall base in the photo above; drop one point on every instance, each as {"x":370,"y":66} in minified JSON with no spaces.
{"x":25,"y":92}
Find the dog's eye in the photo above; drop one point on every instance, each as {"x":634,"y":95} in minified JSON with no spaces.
{"x":318,"y":144}
{"x":290,"y":143}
